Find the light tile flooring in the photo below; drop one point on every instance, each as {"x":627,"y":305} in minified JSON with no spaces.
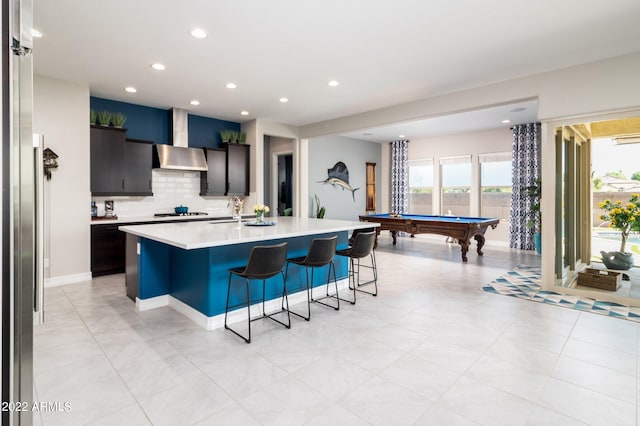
{"x":431,"y":349}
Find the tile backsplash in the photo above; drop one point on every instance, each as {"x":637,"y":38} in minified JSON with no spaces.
{"x":171,"y":188}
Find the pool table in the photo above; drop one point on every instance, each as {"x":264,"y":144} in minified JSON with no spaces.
{"x":460,"y":228}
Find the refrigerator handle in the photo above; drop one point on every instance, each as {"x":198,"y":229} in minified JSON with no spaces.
{"x":38,"y":293}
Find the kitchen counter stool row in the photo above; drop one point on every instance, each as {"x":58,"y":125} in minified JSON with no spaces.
{"x":267,"y":261}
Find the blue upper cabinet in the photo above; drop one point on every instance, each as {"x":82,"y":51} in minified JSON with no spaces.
{"x":153,"y":124}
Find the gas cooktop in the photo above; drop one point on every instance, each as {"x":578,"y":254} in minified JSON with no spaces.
{"x":181,"y":214}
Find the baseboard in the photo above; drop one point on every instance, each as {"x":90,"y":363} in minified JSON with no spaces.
{"x":152,"y":302}
{"x":67,"y":279}
{"x":238,"y":315}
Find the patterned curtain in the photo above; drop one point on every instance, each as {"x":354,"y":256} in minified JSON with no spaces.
{"x":526,"y":169}
{"x":399,"y":177}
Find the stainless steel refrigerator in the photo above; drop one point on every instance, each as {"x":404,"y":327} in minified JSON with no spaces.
{"x":18,"y":211}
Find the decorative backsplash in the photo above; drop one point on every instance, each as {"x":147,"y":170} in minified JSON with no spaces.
{"x":171,"y":188}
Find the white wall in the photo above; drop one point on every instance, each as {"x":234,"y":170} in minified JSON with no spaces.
{"x":61,"y":114}
{"x":324,"y":153}
{"x":256,"y":130}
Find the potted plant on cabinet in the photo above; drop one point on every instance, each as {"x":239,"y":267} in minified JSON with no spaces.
{"x":93,"y":117}
{"x":625,"y":218}
{"x":225,"y":135}
{"x":118,"y":119}
{"x":535,"y":220}
{"x":104,"y":118}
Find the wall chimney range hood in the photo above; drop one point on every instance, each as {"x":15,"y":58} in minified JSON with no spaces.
{"x":179,"y":156}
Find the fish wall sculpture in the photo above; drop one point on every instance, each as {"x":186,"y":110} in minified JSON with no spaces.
{"x":338,"y":177}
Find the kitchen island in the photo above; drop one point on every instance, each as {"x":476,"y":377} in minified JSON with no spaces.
{"x":185,"y":264}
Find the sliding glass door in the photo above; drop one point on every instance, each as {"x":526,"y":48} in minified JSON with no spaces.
{"x":573,"y":202}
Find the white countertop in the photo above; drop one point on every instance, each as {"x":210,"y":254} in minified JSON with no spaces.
{"x":124,"y":220}
{"x":195,"y":235}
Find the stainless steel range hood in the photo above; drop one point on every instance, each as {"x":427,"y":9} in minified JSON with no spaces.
{"x":179,"y":156}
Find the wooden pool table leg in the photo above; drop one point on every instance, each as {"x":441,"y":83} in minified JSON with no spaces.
{"x":480,"y":239}
{"x":464,"y":248}
{"x":394,"y":234}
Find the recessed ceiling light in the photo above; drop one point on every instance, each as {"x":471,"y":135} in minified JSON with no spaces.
{"x":35,"y":33}
{"x":158,"y":66}
{"x":283,"y":100}
{"x":505,"y":121}
{"x":195,"y":102}
{"x":244,"y":112}
{"x":230,"y":85}
{"x":334,"y":83}
{"x":401,"y":136}
{"x":130,"y":89}
{"x":519,"y":109}
{"x":198,"y":33}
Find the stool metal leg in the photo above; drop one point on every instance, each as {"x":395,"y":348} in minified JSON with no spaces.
{"x":226,"y":326}
{"x":335,"y":281}
{"x":351,"y":277}
{"x":374,"y":281}
{"x":306,"y":275}
{"x":285,"y":299}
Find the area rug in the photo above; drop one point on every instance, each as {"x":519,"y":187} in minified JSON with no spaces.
{"x":524,"y":283}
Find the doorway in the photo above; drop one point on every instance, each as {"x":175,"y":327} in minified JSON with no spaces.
{"x":284,"y":183}
{"x":279,"y":173}
{"x":595,"y":162}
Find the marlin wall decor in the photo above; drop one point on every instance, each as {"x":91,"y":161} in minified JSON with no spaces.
{"x":338,"y":177}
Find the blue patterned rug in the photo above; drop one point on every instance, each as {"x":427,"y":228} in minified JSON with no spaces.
{"x":524,"y":283}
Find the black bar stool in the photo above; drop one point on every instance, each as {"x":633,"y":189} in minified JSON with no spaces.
{"x":264,"y":262}
{"x":362,"y":246}
{"x":320,"y":254}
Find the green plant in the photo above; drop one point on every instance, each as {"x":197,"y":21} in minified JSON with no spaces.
{"x":320,"y":211}
{"x":535,"y":194}
{"x":234,"y":136}
{"x":118,"y":119}
{"x":225,"y":135}
{"x":625,"y":218}
{"x":93,"y":116}
{"x":242,"y":138}
{"x":104,"y":118}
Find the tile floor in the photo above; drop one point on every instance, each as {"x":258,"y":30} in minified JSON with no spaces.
{"x":431,"y":349}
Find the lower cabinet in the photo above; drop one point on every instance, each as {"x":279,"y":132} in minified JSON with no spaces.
{"x":109,"y":246}
{"x":107,"y":250}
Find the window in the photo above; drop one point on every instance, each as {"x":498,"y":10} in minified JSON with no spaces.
{"x":495,"y":190}
{"x":456,"y":185}
{"x":421,"y":186}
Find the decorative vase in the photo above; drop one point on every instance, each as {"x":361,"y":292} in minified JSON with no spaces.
{"x":617,"y":260}
{"x":260,"y":217}
{"x":537,"y":242}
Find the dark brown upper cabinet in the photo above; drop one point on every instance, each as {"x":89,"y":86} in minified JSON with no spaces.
{"x":119,"y":166}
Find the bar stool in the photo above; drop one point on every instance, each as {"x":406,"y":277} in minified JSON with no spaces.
{"x":361,"y":247}
{"x":264,"y":262}
{"x":321,"y":253}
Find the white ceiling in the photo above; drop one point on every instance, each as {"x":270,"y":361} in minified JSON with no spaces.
{"x":383,"y":53}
